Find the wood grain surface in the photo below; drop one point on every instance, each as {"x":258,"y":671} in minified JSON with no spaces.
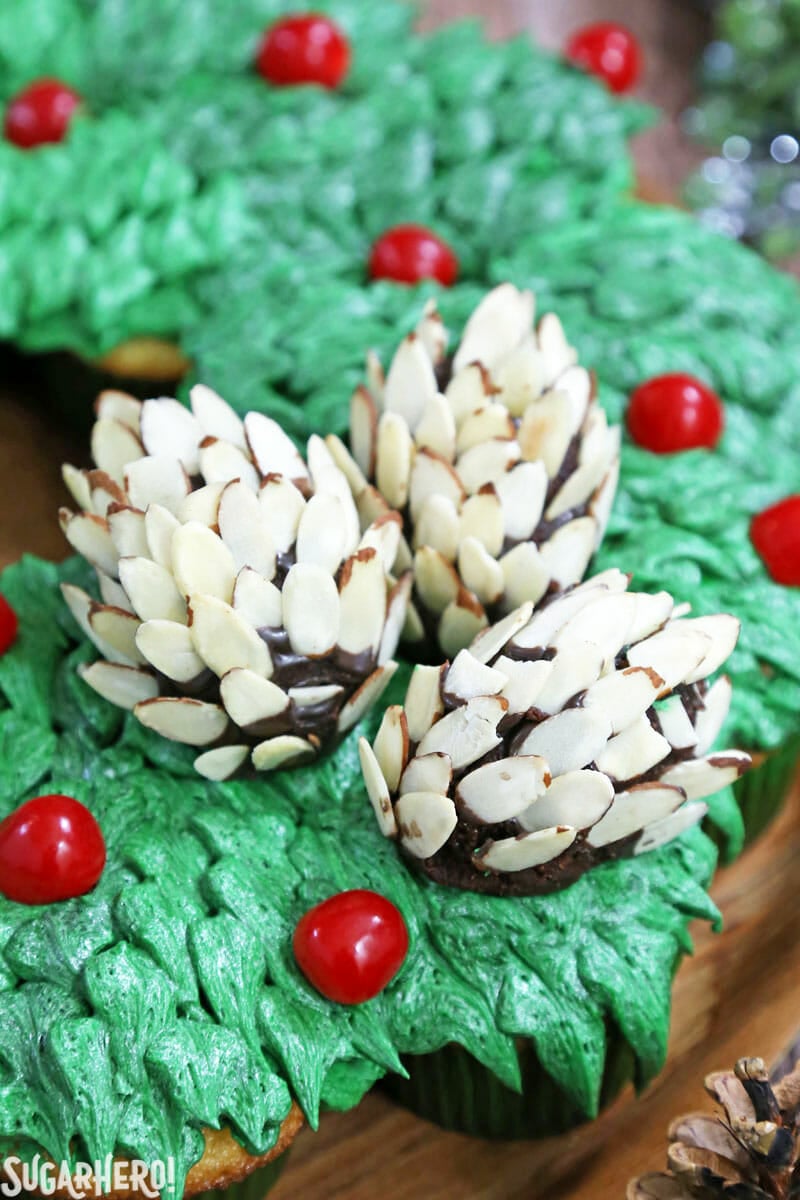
{"x":738,"y":995}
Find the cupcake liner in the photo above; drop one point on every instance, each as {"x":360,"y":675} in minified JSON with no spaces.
{"x":452,"y":1089}
{"x":254,"y":1187}
{"x":761,"y":791}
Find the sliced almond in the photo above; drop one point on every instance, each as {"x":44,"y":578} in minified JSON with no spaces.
{"x":674,"y":653}
{"x":469,"y":677}
{"x":546,"y":430}
{"x":127,"y":529}
{"x":104,"y":493}
{"x":522,"y":494}
{"x":578,"y":488}
{"x":424,"y":704}
{"x":569,"y":740}
{"x":577,"y":799}
{"x":711,"y":717}
{"x":114,"y":445}
{"x":244,"y":528}
{"x":541,"y":629}
{"x":480,"y":572}
{"x":486,"y":463}
{"x":116,"y":628}
{"x":216,"y":417}
{"x":151,"y":590}
{"x":605,"y":622}
{"x":221,"y":763}
{"x":283,"y":505}
{"x":250,"y":698}
{"x":283,"y":751}
{"x":113,"y":405}
{"x":567,"y":553}
{"x":437,"y":526}
{"x":501,"y":790}
{"x":257,"y":600}
{"x":272,"y":450}
{"x":624,"y":696}
{"x":432,"y":475}
{"x":425,"y":821}
{"x":384,"y":536}
{"x":521,"y":377}
{"x":525,"y":575}
{"x":169,"y":648}
{"x":460,"y":623}
{"x":113,"y":593}
{"x":314,"y":694}
{"x":397,"y":607}
{"x":576,"y":666}
{"x":391,"y":745}
{"x":224,"y":640}
{"x":363,"y":430}
{"x":201,"y":562}
{"x":376,"y":379}
{"x":468,"y":391}
{"x":701,"y":777}
{"x":395,"y":454}
{"x":220,"y":462}
{"x":90,"y":536}
{"x":344,"y":460}
{"x":523,"y":852}
{"x":437,"y":428}
{"x":169,"y":428}
{"x":362,"y":597}
{"x":120,"y":685}
{"x":427,"y":773}
{"x":183,"y":720}
{"x":436,"y":581}
{"x":482,"y":518}
{"x":524,"y":682}
{"x":559,"y":356}
{"x":499,"y":323}
{"x":310,"y":609}
{"x":651,"y":613}
{"x":432,"y":333}
{"x":631,"y":811}
{"x":491,"y":641}
{"x":466,"y":733}
{"x":723,"y":631}
{"x":633,"y":751}
{"x":603,"y":499}
{"x":362,"y":699}
{"x":675,"y":723}
{"x":377,"y":789}
{"x":410,"y":382}
{"x":661,"y":832}
{"x":203,"y":505}
{"x":158,"y":479}
{"x":492,"y":421}
{"x":159,"y":526}
{"x":321,"y":533}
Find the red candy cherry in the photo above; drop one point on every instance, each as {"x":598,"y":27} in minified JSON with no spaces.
{"x":410,"y":253}
{"x":40,"y":113}
{"x":351,"y":945}
{"x":51,"y":848}
{"x":775,"y":533}
{"x":609,"y":51}
{"x":305,"y":48}
{"x":8,"y":625}
{"x":675,"y":412}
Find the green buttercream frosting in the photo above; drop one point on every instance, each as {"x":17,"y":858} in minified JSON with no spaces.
{"x":168,"y":999}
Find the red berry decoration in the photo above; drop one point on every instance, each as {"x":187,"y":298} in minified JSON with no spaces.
{"x":775,"y":533}
{"x":8,"y":625}
{"x":410,"y":253}
{"x":609,"y":51}
{"x":675,"y":412}
{"x":51,"y":849}
{"x":351,"y":945}
{"x":40,"y":113}
{"x":305,"y":48}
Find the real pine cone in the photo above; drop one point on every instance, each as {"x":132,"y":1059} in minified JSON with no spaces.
{"x":560,"y":739}
{"x":242,"y":608}
{"x":751,"y":1153}
{"x":498,"y":457}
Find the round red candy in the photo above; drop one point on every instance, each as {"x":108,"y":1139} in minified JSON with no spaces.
{"x":40,"y":113}
{"x":8,"y":625}
{"x":775,"y":533}
{"x":305,"y":48}
{"x":675,"y":412}
{"x":51,"y":849}
{"x":351,"y":945}
{"x":411,"y":253}
{"x":609,"y":51}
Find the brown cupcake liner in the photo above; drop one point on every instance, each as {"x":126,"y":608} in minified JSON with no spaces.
{"x":762,"y":790}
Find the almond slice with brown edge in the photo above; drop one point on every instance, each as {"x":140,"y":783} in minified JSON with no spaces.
{"x":522,"y":494}
{"x":203,"y":505}
{"x":114,"y":445}
{"x":482,"y":519}
{"x":674,"y":653}
{"x":521,"y":377}
{"x":169,"y":648}
{"x":524,"y":682}
{"x":216,"y":417}
{"x":224,"y":640}
{"x":272,"y":450}
{"x":576,"y":798}
{"x":220,"y":462}
{"x":501,"y":790}
{"x":244,"y":528}
{"x":159,"y":479}
{"x":396,"y":612}
{"x":675,"y":723}
{"x":652,"y":612}
{"x":356,"y":479}
{"x":113,"y":405}
{"x":221,"y":763}
{"x":432,"y":333}
{"x":723,"y":631}
{"x":410,"y":382}
{"x":486,"y":463}
{"x":711,"y":717}
{"x":460,"y":623}
{"x":257,"y":600}
{"x":666,"y":830}
{"x":427,"y":773}
{"x":569,"y":740}
{"x":492,"y":421}
{"x":80,"y":604}
{"x":546,"y":430}
{"x":491,"y":641}
{"x":201,"y":562}
{"x":424,"y":704}
{"x":466,"y":733}
{"x":436,"y":580}
{"x":523,"y":852}
{"x":469,"y":677}
{"x":314,"y":694}
{"x":575,"y":667}
{"x":437,"y":428}
{"x":395,"y":455}
{"x":384,"y":536}
{"x":77,"y":484}
{"x":103,"y":493}
{"x":540,"y":631}
{"x":700,"y":777}
{"x":496,"y":327}
{"x":624,"y":696}
{"x":310,"y":609}
{"x":169,"y":428}
{"x":362,"y":601}
{"x":283,"y":506}
{"x":480,"y":572}
{"x":559,"y":356}
{"x":633,"y":751}
{"x":579,"y":487}
{"x":365,"y":696}
{"x":90,"y":536}
{"x":605,"y":623}
{"x":377,"y":789}
{"x":120,"y":685}
{"x":633,"y":810}
{"x":112,"y":593}
{"x":567,"y":553}
{"x":391,"y":745}
{"x":286,"y":750}
{"x":425,"y":821}
{"x":151,"y":590}
{"x":116,"y":628}
{"x":363,"y":430}
{"x":183,"y":720}
{"x":432,"y":475}
{"x":525,"y":575}
{"x":437,"y":526}
{"x":250,"y":698}
{"x":468,"y":391}
{"x":603,"y":499}
{"x":159,"y":526}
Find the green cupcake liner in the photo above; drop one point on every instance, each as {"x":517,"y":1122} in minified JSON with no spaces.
{"x":254,"y":1187}
{"x":452,"y":1089}
{"x":762,"y":790}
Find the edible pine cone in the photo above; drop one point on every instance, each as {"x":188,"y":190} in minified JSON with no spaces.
{"x":502,"y":464}
{"x":751,"y":1154}
{"x":242,"y":608}
{"x":560,"y":739}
